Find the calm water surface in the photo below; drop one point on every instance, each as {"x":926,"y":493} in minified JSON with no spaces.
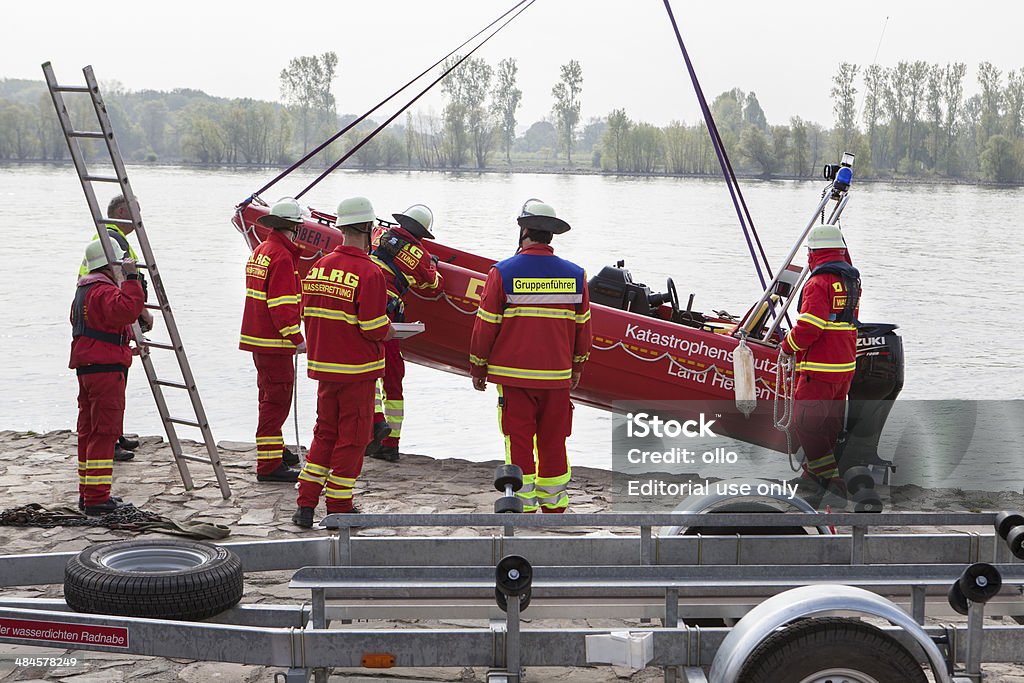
{"x":941,"y":261}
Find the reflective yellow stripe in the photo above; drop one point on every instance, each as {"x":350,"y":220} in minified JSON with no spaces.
{"x":291,"y":329}
{"x":524,"y":373}
{"x":270,"y":343}
{"x":552,"y":482}
{"x":256,"y":294}
{"x":98,"y":464}
{"x":789,"y":340}
{"x":109,"y":479}
{"x":337,"y":494}
{"x":270,"y":439}
{"x":487,"y":316}
{"x":426,"y":285}
{"x":580,"y":319}
{"x":313,"y":468}
{"x":839,"y":326}
{"x":812,"y":319}
{"x":343,"y":369}
{"x":827,"y":367}
{"x":525,"y":312}
{"x":476,"y":360}
{"x":312,"y":479}
{"x":373,"y":324}
{"x":581,"y":359}
{"x":330,"y":314}
{"x":281,"y":300}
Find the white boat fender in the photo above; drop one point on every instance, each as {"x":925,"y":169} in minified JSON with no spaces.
{"x":743,"y":377}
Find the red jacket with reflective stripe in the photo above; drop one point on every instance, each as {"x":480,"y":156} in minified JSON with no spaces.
{"x":344,"y":299}
{"x":530,"y":340}
{"x":108,"y":308}
{"x":272,"y":313}
{"x":825,"y":349}
{"x":413,"y":262}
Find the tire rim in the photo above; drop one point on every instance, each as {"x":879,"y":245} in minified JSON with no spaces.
{"x":153,"y":560}
{"x":839,"y":676}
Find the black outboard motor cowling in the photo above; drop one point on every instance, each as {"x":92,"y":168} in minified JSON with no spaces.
{"x":877,"y":382}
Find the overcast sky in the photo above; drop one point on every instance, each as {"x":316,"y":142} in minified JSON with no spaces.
{"x":786,"y":52}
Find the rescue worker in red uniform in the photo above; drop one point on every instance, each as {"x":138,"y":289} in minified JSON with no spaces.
{"x":270,"y":331}
{"x":531,"y":338}
{"x":824,"y":342}
{"x":406,"y":264}
{"x":101,"y":318}
{"x":344,"y":299}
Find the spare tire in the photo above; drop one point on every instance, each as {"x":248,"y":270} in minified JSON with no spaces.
{"x":155,"y":578}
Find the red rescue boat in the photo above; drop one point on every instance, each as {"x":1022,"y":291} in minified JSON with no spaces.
{"x":646,"y":349}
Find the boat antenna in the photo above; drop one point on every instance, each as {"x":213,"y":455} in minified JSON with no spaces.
{"x":723,"y":159}
{"x":380,"y":104}
{"x":408,"y":104}
{"x":874,"y":60}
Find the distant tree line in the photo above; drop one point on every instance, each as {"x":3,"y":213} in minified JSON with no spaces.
{"x":911,"y":120}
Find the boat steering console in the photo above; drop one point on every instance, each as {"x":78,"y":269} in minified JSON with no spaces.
{"x":614,"y":287}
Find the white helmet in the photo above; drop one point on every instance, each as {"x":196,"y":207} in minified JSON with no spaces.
{"x":418,"y":219}
{"x":286,"y":213}
{"x":355,"y":211}
{"x":96,"y":259}
{"x":536,"y":215}
{"x":826,"y":237}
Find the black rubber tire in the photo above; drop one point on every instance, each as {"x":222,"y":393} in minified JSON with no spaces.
{"x":752,"y":507}
{"x":858,"y":478}
{"x":509,"y":585}
{"x":212,"y":583}
{"x":867,"y":500}
{"x":508,"y":475}
{"x":984,"y":591}
{"x":816,"y":645}
{"x":1007,"y":522}
{"x":508,"y":504}
{"x":956,"y":598}
{"x":1016,"y":542}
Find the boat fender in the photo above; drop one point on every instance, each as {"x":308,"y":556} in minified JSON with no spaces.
{"x":743,"y":376}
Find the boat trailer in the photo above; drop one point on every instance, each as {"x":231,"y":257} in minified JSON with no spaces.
{"x":748,"y":586}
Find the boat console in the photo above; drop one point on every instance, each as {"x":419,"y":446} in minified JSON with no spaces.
{"x":614,"y":287}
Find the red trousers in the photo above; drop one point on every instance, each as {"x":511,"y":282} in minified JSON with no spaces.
{"x":100,"y":422}
{"x":536,"y":423}
{"x":344,"y":425}
{"x":275,"y":379}
{"x":818,"y":413}
{"x":394,"y":402}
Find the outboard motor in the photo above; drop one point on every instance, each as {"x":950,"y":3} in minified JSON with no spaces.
{"x":877,"y":382}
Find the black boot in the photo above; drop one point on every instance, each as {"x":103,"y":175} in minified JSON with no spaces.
{"x":127,"y":444}
{"x":386,"y":453}
{"x":289,"y":458}
{"x":81,"y":501}
{"x":380,"y":431}
{"x":283,"y":474}
{"x":122,"y":455}
{"x":303,"y":517}
{"x":103,"y":508}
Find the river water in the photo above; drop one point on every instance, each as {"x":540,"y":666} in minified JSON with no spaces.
{"x":942,"y":261}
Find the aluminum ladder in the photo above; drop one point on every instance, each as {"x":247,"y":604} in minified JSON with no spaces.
{"x":148,"y":264}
